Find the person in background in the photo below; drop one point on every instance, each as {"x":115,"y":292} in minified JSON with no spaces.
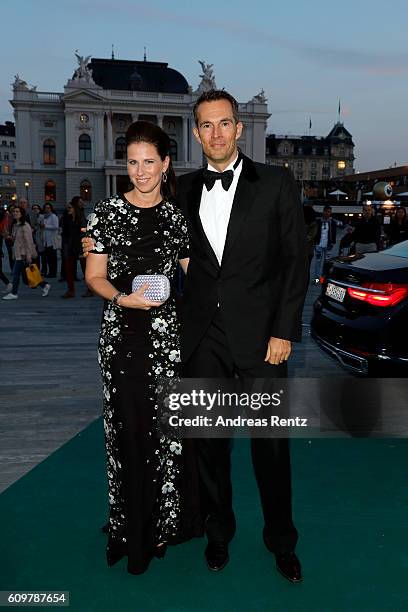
{"x":367,"y":233}
{"x":8,"y":241}
{"x":324,"y":240}
{"x":23,"y":205}
{"x":398,"y":229}
{"x":311,"y":231}
{"x":3,"y":230}
{"x":346,"y":241}
{"x":37,"y":225}
{"x":74,"y":219}
{"x":51,"y":227}
{"x":24,"y":252}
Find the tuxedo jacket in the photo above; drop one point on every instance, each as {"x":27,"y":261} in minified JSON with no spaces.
{"x":261,"y":283}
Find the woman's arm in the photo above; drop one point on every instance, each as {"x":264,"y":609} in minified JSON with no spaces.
{"x":96,"y":279}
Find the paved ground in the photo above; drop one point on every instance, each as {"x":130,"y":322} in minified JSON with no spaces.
{"x":50,"y":386}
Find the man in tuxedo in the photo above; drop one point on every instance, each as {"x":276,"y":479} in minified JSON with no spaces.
{"x":242,"y":307}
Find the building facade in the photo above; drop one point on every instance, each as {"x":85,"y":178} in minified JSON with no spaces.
{"x":72,"y":143}
{"x":7,"y":163}
{"x":313,"y":158}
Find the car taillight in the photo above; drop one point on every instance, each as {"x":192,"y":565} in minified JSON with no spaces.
{"x":322,"y":280}
{"x":379,"y":294}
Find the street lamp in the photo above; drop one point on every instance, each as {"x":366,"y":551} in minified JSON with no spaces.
{"x":26,"y":185}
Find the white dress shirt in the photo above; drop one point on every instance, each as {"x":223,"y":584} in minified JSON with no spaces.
{"x":215,"y":209}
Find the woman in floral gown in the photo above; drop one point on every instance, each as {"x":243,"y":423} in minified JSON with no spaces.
{"x":139,"y":232}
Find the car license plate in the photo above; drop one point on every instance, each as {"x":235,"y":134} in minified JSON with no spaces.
{"x":335,"y":292}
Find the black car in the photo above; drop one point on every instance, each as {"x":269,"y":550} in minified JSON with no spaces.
{"x":361,"y":315}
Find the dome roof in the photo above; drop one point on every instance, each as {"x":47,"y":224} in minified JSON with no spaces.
{"x":139,"y":76}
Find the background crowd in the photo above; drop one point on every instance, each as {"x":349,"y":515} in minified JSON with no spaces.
{"x":59,"y":237}
{"x":38,"y":236}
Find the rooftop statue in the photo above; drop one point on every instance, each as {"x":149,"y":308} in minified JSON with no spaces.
{"x":207,"y":78}
{"x":260,"y":98}
{"x":83,"y":72}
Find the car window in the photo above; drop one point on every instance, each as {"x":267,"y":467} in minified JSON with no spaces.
{"x":398,"y":250}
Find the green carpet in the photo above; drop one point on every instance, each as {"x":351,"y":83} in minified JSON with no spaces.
{"x":350,"y":499}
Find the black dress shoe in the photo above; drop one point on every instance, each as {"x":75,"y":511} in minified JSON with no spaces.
{"x":216,"y":555}
{"x":289,"y":566}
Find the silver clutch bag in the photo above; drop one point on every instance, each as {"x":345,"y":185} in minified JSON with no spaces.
{"x":158,"y":289}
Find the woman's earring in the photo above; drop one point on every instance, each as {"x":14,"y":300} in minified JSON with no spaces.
{"x":164,"y":177}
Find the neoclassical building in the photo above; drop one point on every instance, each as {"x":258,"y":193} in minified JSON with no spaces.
{"x":73,"y":142}
{"x":8,"y":157}
{"x":314,"y":158}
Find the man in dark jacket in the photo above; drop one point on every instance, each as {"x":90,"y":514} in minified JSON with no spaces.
{"x":243,"y":301}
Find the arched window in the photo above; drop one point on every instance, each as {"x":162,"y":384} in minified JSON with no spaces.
{"x":50,"y":191}
{"x":173,"y":149}
{"x":49,"y":156}
{"x":85,"y":148}
{"x":120,"y":148}
{"x":86,"y":190}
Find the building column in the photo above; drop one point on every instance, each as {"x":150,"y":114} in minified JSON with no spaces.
{"x":109,"y":137}
{"x":185,"y":139}
{"x":135,"y":117}
{"x":107,"y":185}
{"x":160,"y":121}
{"x":113,"y":184}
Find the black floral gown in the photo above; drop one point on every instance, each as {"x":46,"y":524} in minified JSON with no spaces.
{"x":136,"y":347}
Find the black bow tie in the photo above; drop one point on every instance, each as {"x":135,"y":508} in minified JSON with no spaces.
{"x":225,"y":177}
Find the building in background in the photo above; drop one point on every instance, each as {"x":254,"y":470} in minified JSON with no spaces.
{"x":74,"y":142}
{"x":313,"y":158}
{"x":7,"y":163}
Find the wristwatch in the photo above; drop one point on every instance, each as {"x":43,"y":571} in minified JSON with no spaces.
{"x":118,"y":295}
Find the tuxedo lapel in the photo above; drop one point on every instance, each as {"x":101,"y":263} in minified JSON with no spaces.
{"x":194,"y":200}
{"x":244,"y":197}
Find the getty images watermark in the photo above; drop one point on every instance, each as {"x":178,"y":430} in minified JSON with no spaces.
{"x":303,"y":408}
{"x":221,"y":401}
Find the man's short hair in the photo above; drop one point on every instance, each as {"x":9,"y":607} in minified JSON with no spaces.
{"x":327,"y":207}
{"x":213,"y":95}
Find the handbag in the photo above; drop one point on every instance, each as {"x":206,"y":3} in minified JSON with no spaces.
{"x":158,"y":289}
{"x":33,"y":274}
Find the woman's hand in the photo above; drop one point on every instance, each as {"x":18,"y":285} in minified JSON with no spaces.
{"x":138,"y":300}
{"x":87,"y":243}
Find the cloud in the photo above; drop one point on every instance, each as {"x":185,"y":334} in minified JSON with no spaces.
{"x":344,"y":58}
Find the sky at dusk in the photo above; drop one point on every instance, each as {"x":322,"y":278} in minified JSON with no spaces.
{"x":305,"y":55}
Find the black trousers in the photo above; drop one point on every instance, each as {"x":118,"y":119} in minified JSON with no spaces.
{"x":270,"y":456}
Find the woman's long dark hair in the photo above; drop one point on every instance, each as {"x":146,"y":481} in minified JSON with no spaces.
{"x":23,"y":218}
{"x":144,"y":131}
{"x":79,"y":215}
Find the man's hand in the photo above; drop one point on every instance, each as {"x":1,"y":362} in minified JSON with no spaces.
{"x":87,"y":244}
{"x":278,"y":350}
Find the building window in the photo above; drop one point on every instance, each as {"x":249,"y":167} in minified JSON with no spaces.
{"x":12,"y":143}
{"x":50,"y":191}
{"x":86,"y":190}
{"x":6,"y":169}
{"x":314,"y":151}
{"x":299,"y":176}
{"x":326,"y":151}
{"x":299,"y":164}
{"x":313,"y":164}
{"x":300,"y":151}
{"x":85,"y":148}
{"x":313,"y":176}
{"x":6,"y":156}
{"x":49,"y":152}
{"x":285,"y":150}
{"x":4,"y":143}
{"x":173,"y":149}
{"x":120,"y":148}
{"x":341,"y":165}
